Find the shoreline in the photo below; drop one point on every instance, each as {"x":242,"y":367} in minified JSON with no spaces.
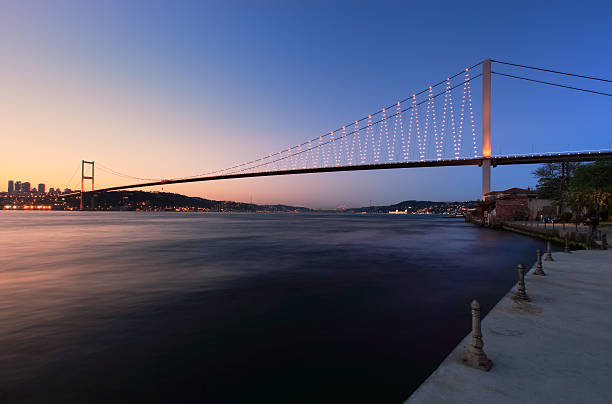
{"x":578,"y":236}
{"x":576,"y":245}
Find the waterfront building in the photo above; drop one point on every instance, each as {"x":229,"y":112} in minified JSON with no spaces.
{"x":511,"y":205}
{"x":11,"y":187}
{"x":41,"y":188}
{"x":51,"y":190}
{"x":18,"y":187}
{"x":25,"y":187}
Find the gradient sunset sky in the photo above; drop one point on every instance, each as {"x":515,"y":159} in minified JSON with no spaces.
{"x":162,"y":89}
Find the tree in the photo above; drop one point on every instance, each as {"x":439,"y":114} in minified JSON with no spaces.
{"x":553,"y":179}
{"x":591,"y":188}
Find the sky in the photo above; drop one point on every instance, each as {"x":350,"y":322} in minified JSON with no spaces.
{"x":161,"y":89}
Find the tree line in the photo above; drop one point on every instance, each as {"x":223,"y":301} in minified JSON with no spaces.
{"x":581,"y":190}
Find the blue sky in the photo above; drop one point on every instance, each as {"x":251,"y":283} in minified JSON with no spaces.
{"x":168,"y":89}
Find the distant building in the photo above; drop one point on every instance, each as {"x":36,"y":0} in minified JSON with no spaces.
{"x":516,"y":204}
{"x":25,"y":187}
{"x":11,"y":187}
{"x":51,"y":190}
{"x":67,"y":190}
{"x":41,"y":188}
{"x":18,"y":187}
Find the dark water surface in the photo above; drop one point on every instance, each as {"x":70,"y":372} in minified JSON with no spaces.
{"x":136,"y":307}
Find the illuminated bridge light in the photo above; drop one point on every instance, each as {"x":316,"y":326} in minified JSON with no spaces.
{"x":448,"y":144}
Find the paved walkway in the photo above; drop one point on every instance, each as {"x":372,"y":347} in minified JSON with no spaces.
{"x":555,"y":349}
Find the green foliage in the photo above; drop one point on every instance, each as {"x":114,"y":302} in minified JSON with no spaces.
{"x":566,"y":216}
{"x":591,"y":188}
{"x":585,"y":189}
{"x":553,"y":180}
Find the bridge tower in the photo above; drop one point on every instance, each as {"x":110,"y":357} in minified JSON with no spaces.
{"x":486,"y":127}
{"x":85,"y":177}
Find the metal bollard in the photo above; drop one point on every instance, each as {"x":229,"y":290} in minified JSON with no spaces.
{"x":604,"y":241}
{"x":567,"y":248}
{"x":521,"y":290}
{"x":475,"y":356}
{"x":549,"y":251}
{"x":539,"y":270}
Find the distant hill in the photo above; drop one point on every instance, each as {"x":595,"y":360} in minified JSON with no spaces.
{"x":165,"y":201}
{"x":414,"y":206}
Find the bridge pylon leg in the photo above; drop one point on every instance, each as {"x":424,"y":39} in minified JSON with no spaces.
{"x":486,"y":177}
{"x":486,"y":127}
{"x":86,"y":177}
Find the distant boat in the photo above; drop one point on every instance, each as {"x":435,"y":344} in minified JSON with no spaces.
{"x":398,"y":212}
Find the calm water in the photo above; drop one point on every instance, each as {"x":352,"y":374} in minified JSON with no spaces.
{"x":136,"y":307}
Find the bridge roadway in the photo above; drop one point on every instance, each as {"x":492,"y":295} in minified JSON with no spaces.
{"x":477,"y":161}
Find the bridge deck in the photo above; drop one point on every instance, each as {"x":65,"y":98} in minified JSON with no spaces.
{"x":495,"y":161}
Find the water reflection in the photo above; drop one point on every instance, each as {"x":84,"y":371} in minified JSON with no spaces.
{"x":127,"y":306}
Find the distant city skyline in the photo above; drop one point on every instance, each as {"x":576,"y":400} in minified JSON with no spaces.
{"x":18,"y":186}
{"x":155,"y":90}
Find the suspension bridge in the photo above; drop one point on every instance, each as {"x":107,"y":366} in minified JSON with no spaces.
{"x":431,"y":128}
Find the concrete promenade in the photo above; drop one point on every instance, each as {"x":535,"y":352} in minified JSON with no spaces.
{"x":555,"y":349}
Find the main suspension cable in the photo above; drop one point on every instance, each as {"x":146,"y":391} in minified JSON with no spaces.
{"x":336,"y":130}
{"x":113,"y":172}
{"x":552,"y":71}
{"x":552,"y":84}
{"x":68,"y":183}
{"x":355,"y":131}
